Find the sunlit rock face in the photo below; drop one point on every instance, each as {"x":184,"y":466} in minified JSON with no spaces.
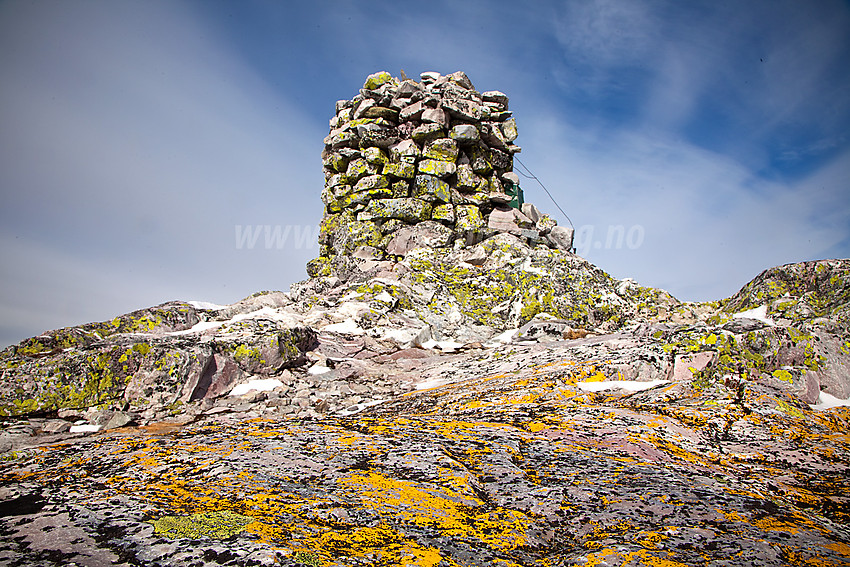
{"x":451,"y":387}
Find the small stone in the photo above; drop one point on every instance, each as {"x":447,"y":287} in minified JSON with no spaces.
{"x":408,"y":210}
{"x":429,"y":77}
{"x":401,"y":189}
{"x":443,"y":149}
{"x":402,"y":169}
{"x":496,"y":96}
{"x":561,"y":237}
{"x":437,"y":167}
{"x":492,"y":136}
{"x":118,"y":419}
{"x":375,"y":80}
{"x":336,"y":161}
{"x":444,"y":213}
{"x":359,"y":168}
{"x":463,"y":109}
{"x":372,"y":182}
{"x":481,"y":166}
{"x":466,"y":178}
{"x":381,"y":112}
{"x":435,"y":116}
{"x":531,"y":212}
{"x":404,"y":150}
{"x":342,"y":105}
{"x":468,"y":218}
{"x":545,"y":224}
{"x":431,"y":188}
{"x":509,"y":130}
{"x":460,"y":78}
{"x":427,"y":132}
{"x":363,"y":107}
{"x":511,"y":177}
{"x":56,"y":426}
{"x":375,"y":156}
{"x":341,"y":139}
{"x":464,"y":134}
{"x":406,"y":89}
{"x":412,"y":112}
{"x":508,"y":220}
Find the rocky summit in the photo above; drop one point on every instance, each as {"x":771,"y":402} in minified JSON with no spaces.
{"x":452,"y":386}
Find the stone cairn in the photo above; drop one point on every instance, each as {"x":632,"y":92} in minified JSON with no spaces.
{"x":428,"y":163}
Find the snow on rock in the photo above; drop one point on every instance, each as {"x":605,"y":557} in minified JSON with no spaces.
{"x":505,"y":338}
{"x":199,"y":328}
{"x":630,"y":385}
{"x":757,"y":313}
{"x":432,"y":383}
{"x":827,"y":401}
{"x":85,"y":428}
{"x":445,"y":346}
{"x":347,"y":327}
{"x":206,"y":305}
{"x":258,"y":385}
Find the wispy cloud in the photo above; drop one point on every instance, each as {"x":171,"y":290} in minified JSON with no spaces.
{"x":709,"y":224}
{"x":132,"y":144}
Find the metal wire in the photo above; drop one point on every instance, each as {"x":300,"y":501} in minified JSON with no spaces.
{"x":534,"y":177}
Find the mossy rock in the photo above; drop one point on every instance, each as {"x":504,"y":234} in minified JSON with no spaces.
{"x":214,"y":525}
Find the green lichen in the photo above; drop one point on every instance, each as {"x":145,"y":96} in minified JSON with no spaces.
{"x":214,"y":525}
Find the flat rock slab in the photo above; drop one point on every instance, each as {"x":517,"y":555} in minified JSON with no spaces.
{"x":513,"y":467}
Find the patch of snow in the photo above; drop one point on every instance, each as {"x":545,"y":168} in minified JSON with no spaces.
{"x":612,"y":298}
{"x":318,"y":369}
{"x":528,"y":268}
{"x":432,"y":383}
{"x":264,"y":312}
{"x":445,"y":346}
{"x":827,"y":401}
{"x":87,"y":428}
{"x":385,"y":297}
{"x":351,"y":309}
{"x":357,"y":408}
{"x":258,"y":385}
{"x":630,"y":385}
{"x":205,"y":305}
{"x":757,"y":313}
{"x":199,"y":328}
{"x":406,"y":336}
{"x":347,"y":327}
{"x":625,"y":285}
{"x":504,"y":338}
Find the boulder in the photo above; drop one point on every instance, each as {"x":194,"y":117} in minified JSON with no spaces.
{"x":561,"y":237}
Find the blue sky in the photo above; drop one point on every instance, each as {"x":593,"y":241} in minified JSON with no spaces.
{"x":135,"y":137}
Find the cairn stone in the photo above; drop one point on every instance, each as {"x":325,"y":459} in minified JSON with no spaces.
{"x":403,"y":152}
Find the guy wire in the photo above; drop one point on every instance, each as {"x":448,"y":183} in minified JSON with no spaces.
{"x":531,"y":175}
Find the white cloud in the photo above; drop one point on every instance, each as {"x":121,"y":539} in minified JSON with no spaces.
{"x":132,"y":145}
{"x":708,"y":223}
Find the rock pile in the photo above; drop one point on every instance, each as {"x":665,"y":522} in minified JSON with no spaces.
{"x":427,"y":163}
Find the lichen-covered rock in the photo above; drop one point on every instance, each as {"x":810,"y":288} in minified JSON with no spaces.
{"x":431,"y":188}
{"x":437,"y":140}
{"x":375,"y":80}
